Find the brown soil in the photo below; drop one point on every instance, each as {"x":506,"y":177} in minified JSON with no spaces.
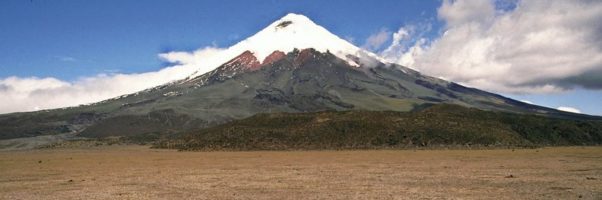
{"x":137,"y":172}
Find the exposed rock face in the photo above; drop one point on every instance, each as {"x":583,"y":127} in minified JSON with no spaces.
{"x":275,"y":56}
{"x":247,"y":61}
{"x":244,"y":62}
{"x":304,"y":55}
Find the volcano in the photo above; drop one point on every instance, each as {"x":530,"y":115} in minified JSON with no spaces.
{"x":291,"y":66}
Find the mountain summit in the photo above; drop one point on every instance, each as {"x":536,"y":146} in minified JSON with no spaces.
{"x":295,"y":31}
{"x":292,"y":66}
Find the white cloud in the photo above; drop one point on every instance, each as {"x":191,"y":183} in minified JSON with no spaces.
{"x":27,"y":94}
{"x":538,"y":47}
{"x":569,"y":109}
{"x":33,"y":93}
{"x":21,"y":94}
{"x":203,"y":60}
{"x":376,"y":40}
{"x":407,"y":43}
{"x":398,"y":43}
{"x":457,"y":13}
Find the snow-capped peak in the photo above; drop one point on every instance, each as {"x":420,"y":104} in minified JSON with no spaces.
{"x":297,"y":31}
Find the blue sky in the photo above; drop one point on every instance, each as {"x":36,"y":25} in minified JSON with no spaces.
{"x":68,"y":40}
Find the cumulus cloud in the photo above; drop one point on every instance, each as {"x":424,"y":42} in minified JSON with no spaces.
{"x":407,"y":43}
{"x":376,"y":40}
{"x":457,"y":13}
{"x":536,"y":47}
{"x":569,"y":109}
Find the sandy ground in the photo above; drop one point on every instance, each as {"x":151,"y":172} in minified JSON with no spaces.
{"x":137,"y":172}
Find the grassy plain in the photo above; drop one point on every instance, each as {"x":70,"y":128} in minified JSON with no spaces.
{"x":137,"y":172}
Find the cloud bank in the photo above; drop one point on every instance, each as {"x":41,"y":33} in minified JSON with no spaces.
{"x":33,"y":93}
{"x":537,"y":47}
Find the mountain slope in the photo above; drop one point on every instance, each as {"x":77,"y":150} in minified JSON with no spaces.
{"x":284,"y":75}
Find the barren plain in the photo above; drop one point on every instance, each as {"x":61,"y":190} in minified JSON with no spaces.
{"x":138,"y":172}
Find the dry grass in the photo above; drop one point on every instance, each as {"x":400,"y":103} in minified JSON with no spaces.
{"x":135,"y":172}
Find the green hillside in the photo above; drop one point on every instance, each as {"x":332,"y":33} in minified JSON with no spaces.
{"x":442,"y":124}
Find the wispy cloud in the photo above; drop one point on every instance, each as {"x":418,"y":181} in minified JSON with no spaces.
{"x":66,"y":58}
{"x":376,"y":40}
